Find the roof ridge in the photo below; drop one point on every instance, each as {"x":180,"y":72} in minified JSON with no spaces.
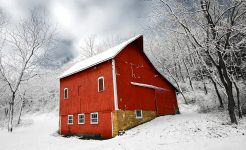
{"x":98,"y":58}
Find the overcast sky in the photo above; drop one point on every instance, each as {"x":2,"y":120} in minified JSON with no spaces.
{"x":77,"y":19}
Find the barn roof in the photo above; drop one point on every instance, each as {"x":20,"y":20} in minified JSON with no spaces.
{"x":97,"y":59}
{"x":102,"y":57}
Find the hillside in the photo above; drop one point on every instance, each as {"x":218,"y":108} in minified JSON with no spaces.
{"x":189,"y":130}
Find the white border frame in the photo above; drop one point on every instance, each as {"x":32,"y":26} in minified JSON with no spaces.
{"x":64,"y":93}
{"x":139,"y":117}
{"x":98,"y":83}
{"x":84,"y":118}
{"x":68,"y":119}
{"x":91,"y":118}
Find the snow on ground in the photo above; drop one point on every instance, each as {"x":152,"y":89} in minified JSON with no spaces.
{"x":189,"y":130}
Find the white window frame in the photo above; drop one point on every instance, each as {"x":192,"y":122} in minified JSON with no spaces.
{"x":98,"y":84}
{"x":91,"y":118}
{"x":69,"y":119}
{"x":82,"y":114}
{"x":139,"y":117}
{"x":65,"y":89}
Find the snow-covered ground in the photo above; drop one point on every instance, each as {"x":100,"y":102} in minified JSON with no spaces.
{"x":190,"y":130}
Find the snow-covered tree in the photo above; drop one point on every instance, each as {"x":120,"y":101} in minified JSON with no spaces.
{"x":27,"y":45}
{"x":215,"y":33}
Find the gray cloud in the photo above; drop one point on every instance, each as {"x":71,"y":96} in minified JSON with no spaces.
{"x":77,"y":19}
{"x":59,"y":55}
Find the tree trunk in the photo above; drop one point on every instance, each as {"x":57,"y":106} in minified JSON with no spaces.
{"x":11,"y":113}
{"x":22,"y":104}
{"x":224,"y":77}
{"x":205,"y":87}
{"x":231,"y":105}
{"x":238,"y":100}
{"x":176,"y":71}
{"x":180,"y":90}
{"x":6,"y":111}
{"x":192,"y":59}
{"x":228,"y":86}
{"x":217,"y":92}
{"x":188,"y":73}
{"x":180,"y":72}
{"x":186,"y":102}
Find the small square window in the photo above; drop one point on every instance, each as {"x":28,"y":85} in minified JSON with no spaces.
{"x":81,"y":118}
{"x":94,"y":118}
{"x":100,"y":84}
{"x":70,"y":119}
{"x":139,"y":114}
{"x":66,"y":93}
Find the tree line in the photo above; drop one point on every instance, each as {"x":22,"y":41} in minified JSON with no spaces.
{"x":206,"y":42}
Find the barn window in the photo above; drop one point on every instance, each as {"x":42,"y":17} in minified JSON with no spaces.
{"x":70,"y":119}
{"x":81,"y":118}
{"x":94,"y":118}
{"x":66,"y":93}
{"x":100,"y":84}
{"x":139,"y":114}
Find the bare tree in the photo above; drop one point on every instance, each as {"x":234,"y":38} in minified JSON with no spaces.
{"x":89,"y":47}
{"x":222,"y":42}
{"x":3,"y":90}
{"x":216,"y":32}
{"x":28,"y":43}
{"x":112,"y":41}
{"x":164,"y":67}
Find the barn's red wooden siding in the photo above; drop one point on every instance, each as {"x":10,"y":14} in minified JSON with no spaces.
{"x":132,"y":65}
{"x":84,"y":97}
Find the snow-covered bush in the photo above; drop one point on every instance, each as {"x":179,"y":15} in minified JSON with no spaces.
{"x":185,"y":87}
{"x":44,"y":92}
{"x":205,"y":102}
{"x":202,"y":101}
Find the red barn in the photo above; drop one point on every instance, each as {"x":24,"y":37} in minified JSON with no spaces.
{"x":113,"y":91}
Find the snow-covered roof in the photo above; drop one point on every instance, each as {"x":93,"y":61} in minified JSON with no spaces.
{"x":148,"y":86}
{"x":97,"y":59}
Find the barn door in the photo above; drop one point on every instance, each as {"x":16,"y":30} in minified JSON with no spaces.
{"x":164,"y":103}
